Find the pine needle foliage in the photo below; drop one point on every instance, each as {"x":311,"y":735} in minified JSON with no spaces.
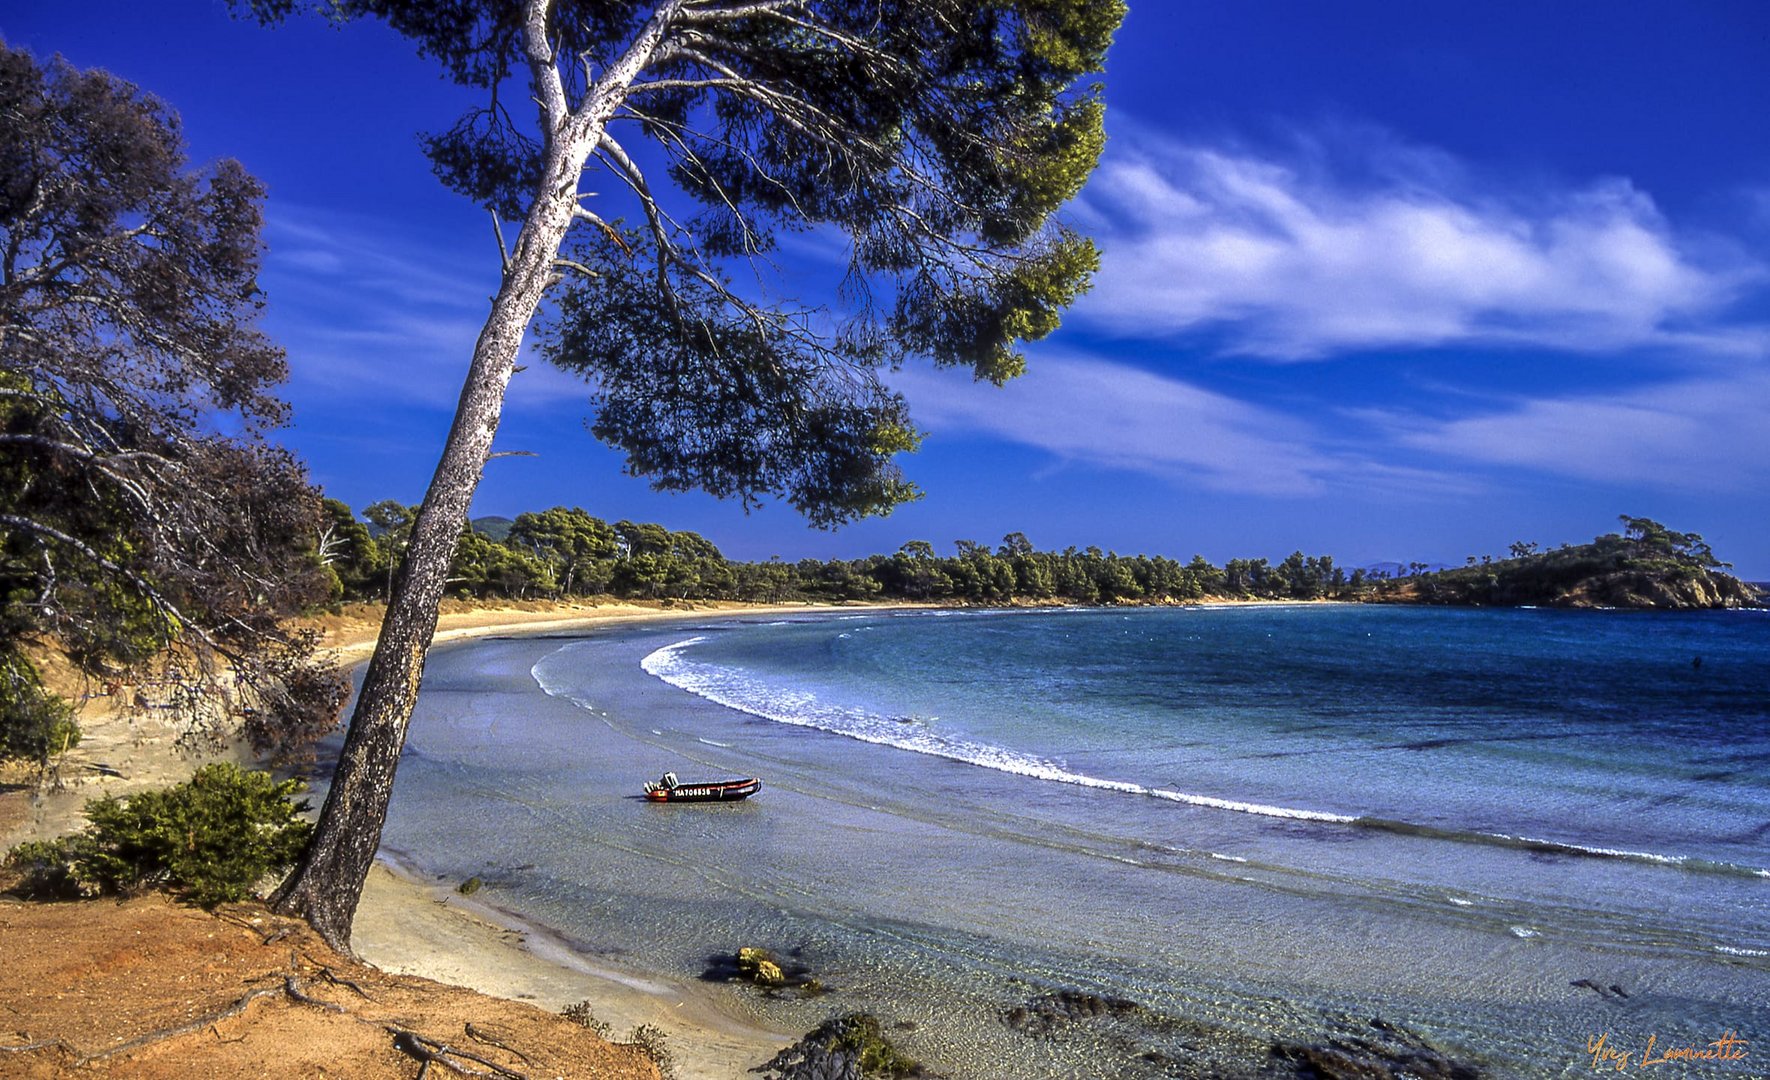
{"x":207,"y":841}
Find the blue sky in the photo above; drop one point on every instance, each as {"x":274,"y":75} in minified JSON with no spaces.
{"x":1386,"y":281}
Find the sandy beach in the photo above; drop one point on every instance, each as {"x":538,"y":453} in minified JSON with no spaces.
{"x":1083,"y":932}
{"x":406,"y":925}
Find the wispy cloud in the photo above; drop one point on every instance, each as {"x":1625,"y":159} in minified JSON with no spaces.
{"x":1328,"y":249}
{"x":364,"y":310}
{"x":1705,"y":434}
{"x":1115,"y":416}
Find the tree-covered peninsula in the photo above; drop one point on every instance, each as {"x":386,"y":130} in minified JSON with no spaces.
{"x":1646,"y":566}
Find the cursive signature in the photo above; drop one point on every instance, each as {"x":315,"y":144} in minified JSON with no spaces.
{"x":1729,"y":1047}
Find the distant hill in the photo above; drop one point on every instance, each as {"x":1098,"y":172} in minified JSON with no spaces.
{"x":1648,"y":566}
{"x":493,"y":527}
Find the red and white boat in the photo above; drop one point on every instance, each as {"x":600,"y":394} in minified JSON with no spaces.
{"x":669,"y":789}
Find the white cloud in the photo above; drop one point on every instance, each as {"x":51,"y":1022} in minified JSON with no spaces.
{"x":1291,"y":259}
{"x":1706,"y":434}
{"x":1114,"y":416}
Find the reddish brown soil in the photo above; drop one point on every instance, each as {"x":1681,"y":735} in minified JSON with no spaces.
{"x":146,"y":988}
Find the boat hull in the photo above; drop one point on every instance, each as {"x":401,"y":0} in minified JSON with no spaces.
{"x":723,"y":791}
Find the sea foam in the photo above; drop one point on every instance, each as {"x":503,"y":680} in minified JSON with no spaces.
{"x":802,"y":708}
{"x":738,"y":690}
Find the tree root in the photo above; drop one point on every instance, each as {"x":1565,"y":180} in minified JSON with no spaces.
{"x":292,"y":987}
{"x":332,"y":977}
{"x":277,"y":935}
{"x":480,"y":1035}
{"x":431,"y":1052}
{"x":163,"y":1034}
{"x":26,"y":1048}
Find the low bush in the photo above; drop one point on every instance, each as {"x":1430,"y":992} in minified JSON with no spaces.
{"x":578,"y":1012}
{"x":650,"y":1040}
{"x":35,"y":725}
{"x":207,"y":841}
{"x":49,"y":870}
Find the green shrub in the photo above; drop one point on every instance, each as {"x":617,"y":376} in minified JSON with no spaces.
{"x":207,"y":841}
{"x":35,"y":725}
{"x":50,"y":869}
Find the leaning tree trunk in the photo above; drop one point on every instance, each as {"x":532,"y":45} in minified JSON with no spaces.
{"x":325,"y":887}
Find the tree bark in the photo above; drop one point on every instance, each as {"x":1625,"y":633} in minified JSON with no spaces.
{"x":325,"y":887}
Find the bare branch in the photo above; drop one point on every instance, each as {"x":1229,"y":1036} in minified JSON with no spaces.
{"x":701,"y":12}
{"x":503,"y":252}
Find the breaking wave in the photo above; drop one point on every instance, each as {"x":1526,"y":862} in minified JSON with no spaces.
{"x":738,"y":690}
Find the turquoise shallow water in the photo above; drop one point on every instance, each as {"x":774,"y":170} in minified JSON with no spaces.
{"x":1258,"y":823}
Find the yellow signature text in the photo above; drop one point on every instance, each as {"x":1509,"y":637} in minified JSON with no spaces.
{"x":1609,"y":1055}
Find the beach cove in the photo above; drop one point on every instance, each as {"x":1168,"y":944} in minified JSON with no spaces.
{"x":1008,"y":933}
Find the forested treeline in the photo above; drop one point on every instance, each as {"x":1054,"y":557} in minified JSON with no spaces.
{"x":567,"y":552}
{"x":563,"y":552}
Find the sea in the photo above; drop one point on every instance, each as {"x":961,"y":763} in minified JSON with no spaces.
{"x":1152,"y":842}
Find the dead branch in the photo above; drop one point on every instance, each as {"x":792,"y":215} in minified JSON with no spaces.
{"x":503,"y":252}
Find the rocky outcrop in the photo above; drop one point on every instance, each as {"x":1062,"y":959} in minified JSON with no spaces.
{"x":761,"y":968}
{"x":852,"y":1047}
{"x":1640,"y":590}
{"x":1044,"y":1015}
{"x":1661,"y":571}
{"x":1373,"y":1050}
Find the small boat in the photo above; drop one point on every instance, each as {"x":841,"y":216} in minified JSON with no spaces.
{"x":669,"y":789}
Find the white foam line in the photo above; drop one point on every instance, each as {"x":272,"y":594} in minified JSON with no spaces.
{"x":802,"y":709}
{"x":1615,"y":853}
{"x":1731,"y":951}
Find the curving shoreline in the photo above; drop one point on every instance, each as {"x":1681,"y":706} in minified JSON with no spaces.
{"x":411,"y":923}
{"x":408,"y":923}
{"x":955,"y":917}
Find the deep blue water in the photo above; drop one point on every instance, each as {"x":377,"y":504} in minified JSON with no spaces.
{"x":1638,"y":735}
